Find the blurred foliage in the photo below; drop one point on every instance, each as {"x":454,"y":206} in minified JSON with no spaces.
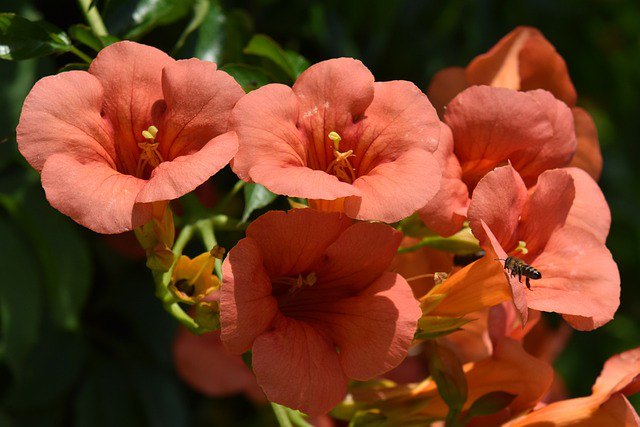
{"x":85,"y":343}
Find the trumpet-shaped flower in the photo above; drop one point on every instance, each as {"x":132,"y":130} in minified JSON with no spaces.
{"x":137,"y":128}
{"x":524,"y":60}
{"x":337,"y":137}
{"x":488,"y":127}
{"x":308,"y":293}
{"x":558,"y":227}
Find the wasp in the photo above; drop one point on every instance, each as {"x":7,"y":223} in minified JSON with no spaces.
{"x":518,"y":267}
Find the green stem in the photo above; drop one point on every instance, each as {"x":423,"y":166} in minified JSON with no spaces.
{"x":80,"y":54}
{"x":281,"y":415}
{"x":422,"y":243}
{"x":205,"y":227}
{"x":93,"y":18}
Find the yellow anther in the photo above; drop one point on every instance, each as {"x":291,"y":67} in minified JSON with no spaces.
{"x":522,"y":247}
{"x":336,"y":140}
{"x":150,"y":154}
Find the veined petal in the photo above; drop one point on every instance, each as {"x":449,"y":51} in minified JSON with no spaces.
{"x":94,"y":195}
{"x":297,"y":366}
{"x":374,"y":329}
{"x":247,"y":308}
{"x":198,"y":99}
{"x":590,"y":210}
{"x":395,"y":190}
{"x":130,"y":74}
{"x":61,"y":115}
{"x":175,"y":178}
{"x":579,"y":278}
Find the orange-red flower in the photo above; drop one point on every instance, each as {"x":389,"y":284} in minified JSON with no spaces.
{"x":488,"y":127}
{"x":351,"y":144}
{"x":559,"y":227}
{"x":308,"y":293}
{"x":138,"y":128}
{"x":523,"y":60}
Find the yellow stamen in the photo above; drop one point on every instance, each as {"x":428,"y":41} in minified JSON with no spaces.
{"x":340,"y":166}
{"x":150,"y":154}
{"x":522,"y":247}
{"x":298,"y":282}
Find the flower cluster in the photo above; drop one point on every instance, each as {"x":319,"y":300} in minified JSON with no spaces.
{"x":437,"y":232}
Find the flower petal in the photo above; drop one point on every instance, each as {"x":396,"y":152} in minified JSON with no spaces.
{"x":175,"y":178}
{"x":94,"y":195}
{"x":331,"y":95}
{"x":130,"y":74}
{"x":199,"y":99}
{"x":547,"y":208}
{"x":590,"y":210}
{"x":374,"y":329}
{"x":358,"y":256}
{"x":579,"y":278}
{"x":491,"y":125}
{"x":273,"y":151}
{"x":247,"y":308}
{"x":292,"y":241}
{"x":498,"y":200}
{"x":203,"y":363}
{"x":394,"y":190}
{"x":621,"y":373}
{"x":588,"y":155}
{"x":298,"y":367}
{"x":445,"y":85}
{"x":61,"y":115}
{"x":446,"y":211}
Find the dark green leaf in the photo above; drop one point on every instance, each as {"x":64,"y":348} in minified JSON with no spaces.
{"x":200,"y":12}
{"x":132,"y":19}
{"x":447,"y":372}
{"x":368,"y":419}
{"x":255,"y":197}
{"x":211,"y":34}
{"x":23,"y":39}
{"x":248,"y":76}
{"x":63,"y":255}
{"x":20,"y":297}
{"x":266,"y":47}
{"x":85,"y":35}
{"x":57,"y":360}
{"x":491,"y":403}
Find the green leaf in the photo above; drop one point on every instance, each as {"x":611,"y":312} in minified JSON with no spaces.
{"x":63,"y":255}
{"x":298,"y":62}
{"x":85,"y":35}
{"x":20,"y":297}
{"x":255,"y":197}
{"x":248,"y":76}
{"x":23,"y":39}
{"x":447,"y":372}
{"x":290,"y":62}
{"x":134,"y":18}
{"x":436,"y":326}
{"x":369,"y":419}
{"x":490,"y":403}
{"x":200,"y":11}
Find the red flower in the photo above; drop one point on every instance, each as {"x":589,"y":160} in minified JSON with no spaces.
{"x":563,"y":223}
{"x":307,"y":292}
{"x":138,"y":128}
{"x":339,"y":136}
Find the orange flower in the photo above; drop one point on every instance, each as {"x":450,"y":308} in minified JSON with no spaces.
{"x":523,"y":60}
{"x":607,"y":405}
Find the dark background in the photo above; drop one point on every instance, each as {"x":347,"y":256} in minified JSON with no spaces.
{"x":93,"y":343}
